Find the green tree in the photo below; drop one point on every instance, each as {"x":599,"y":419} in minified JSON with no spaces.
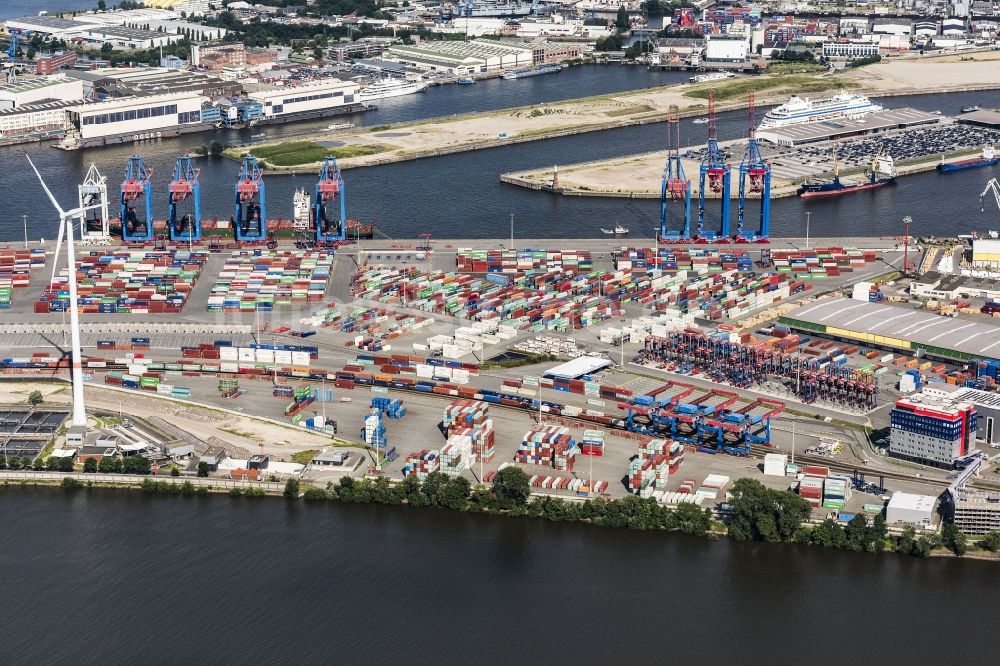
{"x":991,"y":541}
{"x":89,"y":466}
{"x":35,"y":398}
{"x":510,"y":487}
{"x":922,"y":547}
{"x":101,"y":5}
{"x":107,"y":48}
{"x":856,"y":533}
{"x":455,"y":493}
{"x":829,"y":534}
{"x":174,"y":470}
{"x":202,"y":469}
{"x":762,"y":514}
{"x":689,"y":519}
{"x":136,"y":465}
{"x":110,"y":465}
{"x":433,"y":486}
{"x":622,"y":24}
{"x":954,"y":539}
{"x":291,"y":488}
{"x":215,"y":148}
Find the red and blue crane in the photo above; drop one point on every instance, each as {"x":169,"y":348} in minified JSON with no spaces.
{"x":330,"y":226}
{"x":184,"y":203}
{"x":715,"y":174}
{"x":676,"y":186}
{"x":250,"y":220}
{"x":136,"y":212}
{"x":755,"y":172}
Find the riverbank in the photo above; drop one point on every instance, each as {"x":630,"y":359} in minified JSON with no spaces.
{"x":756,"y":513}
{"x":386,"y":144}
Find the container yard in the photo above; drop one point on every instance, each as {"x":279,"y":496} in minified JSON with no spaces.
{"x":399,"y":362}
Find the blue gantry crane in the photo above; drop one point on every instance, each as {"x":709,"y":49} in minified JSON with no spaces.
{"x":755,"y":172}
{"x":15,"y":39}
{"x":184,"y":203}
{"x":331,"y":226}
{"x":250,"y":220}
{"x":676,"y":186}
{"x":716,"y":172}
{"x":136,"y":212}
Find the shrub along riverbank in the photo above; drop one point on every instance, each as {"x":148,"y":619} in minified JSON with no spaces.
{"x":755,"y":512}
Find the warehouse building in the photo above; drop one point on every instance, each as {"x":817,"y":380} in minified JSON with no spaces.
{"x":139,"y":81}
{"x":799,"y":134}
{"x":986,"y":253}
{"x":121,"y":37}
{"x":949,"y":287}
{"x":728,"y":47}
{"x":461,"y":58}
{"x":932,"y":430}
{"x":44,"y":88}
{"x":848,"y":49}
{"x":896,"y":328}
{"x":910,"y":509}
{"x":310,"y":100}
{"x":35,"y":121}
{"x":52,"y":26}
{"x":131,"y":119}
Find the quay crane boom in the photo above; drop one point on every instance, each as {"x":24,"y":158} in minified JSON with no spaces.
{"x":137,"y":189}
{"x":991,"y":186}
{"x":675,"y":186}
{"x":755,"y":169}
{"x":716,"y":172}
{"x":250,"y":220}
{"x":184,"y":188}
{"x":329,"y":187}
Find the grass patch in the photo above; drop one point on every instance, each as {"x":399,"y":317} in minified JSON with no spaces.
{"x":629,"y":110}
{"x":296,"y":153}
{"x":525,"y":359}
{"x":304,"y":457}
{"x":794,"y":68}
{"x":800,"y":83}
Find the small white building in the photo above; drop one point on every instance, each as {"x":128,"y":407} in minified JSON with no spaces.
{"x":307,"y":98}
{"x":910,"y":509}
{"x":730,"y":47}
{"x":849,"y":49}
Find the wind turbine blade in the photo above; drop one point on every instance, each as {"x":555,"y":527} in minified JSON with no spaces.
{"x":55,"y":257}
{"x":45,"y":187}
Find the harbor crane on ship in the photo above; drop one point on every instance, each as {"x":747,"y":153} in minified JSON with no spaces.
{"x":136,"y":212}
{"x":184,"y":203}
{"x":675,"y":186}
{"x":714,"y":173}
{"x":755,"y":175}
{"x":330,"y":227}
{"x":250,"y":218}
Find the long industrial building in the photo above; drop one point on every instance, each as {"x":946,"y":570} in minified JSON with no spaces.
{"x":131,"y":119}
{"x":800,"y":134}
{"x":897,"y":328}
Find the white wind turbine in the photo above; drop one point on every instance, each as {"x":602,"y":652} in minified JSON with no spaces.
{"x":66,"y":218}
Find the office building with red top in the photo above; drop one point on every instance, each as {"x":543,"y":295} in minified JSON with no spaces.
{"x":932,"y":430}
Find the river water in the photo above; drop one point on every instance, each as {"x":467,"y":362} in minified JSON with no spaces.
{"x":117,"y":577}
{"x":460,"y":195}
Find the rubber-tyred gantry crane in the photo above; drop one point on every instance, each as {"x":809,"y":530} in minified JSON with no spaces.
{"x":755,"y":176}
{"x":136,"y":212}
{"x":676,"y":186}
{"x":331,"y":226}
{"x":250,"y":220}
{"x":184,"y":203}
{"x":714,"y":175}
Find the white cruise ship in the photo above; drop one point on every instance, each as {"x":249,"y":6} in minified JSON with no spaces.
{"x":390,"y":87}
{"x":804,"y":110}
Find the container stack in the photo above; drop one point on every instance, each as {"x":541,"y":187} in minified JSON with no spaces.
{"x":648,"y":473}
{"x":229,"y":388}
{"x":391,"y":407}
{"x":774,"y":464}
{"x":422,"y":463}
{"x":811,"y":489}
{"x":522,"y":261}
{"x":836,"y":492}
{"x":713,"y":486}
{"x":592,"y":443}
{"x":15,"y":267}
{"x":456,"y":455}
{"x":549,"y":446}
{"x":134,"y":282}
{"x":688,"y":486}
{"x":262,"y":279}
{"x":471,"y":418}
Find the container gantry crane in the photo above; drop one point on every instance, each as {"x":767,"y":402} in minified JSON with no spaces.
{"x":136,"y":212}
{"x":250,"y":220}
{"x":676,"y":186}
{"x":715,"y":173}
{"x":184,"y":203}
{"x":15,"y":39}
{"x":93,"y":194}
{"x":330,"y":226}
{"x":755,"y":169}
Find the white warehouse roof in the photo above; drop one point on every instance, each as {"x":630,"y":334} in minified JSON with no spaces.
{"x":582,"y":365}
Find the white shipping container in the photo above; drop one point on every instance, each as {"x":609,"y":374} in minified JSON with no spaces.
{"x":282,"y":357}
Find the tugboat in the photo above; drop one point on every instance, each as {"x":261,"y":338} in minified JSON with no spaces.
{"x":988,"y":158}
{"x":969,"y":109}
{"x":882,"y":171}
{"x":619,"y":230}
{"x":466,"y":81}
